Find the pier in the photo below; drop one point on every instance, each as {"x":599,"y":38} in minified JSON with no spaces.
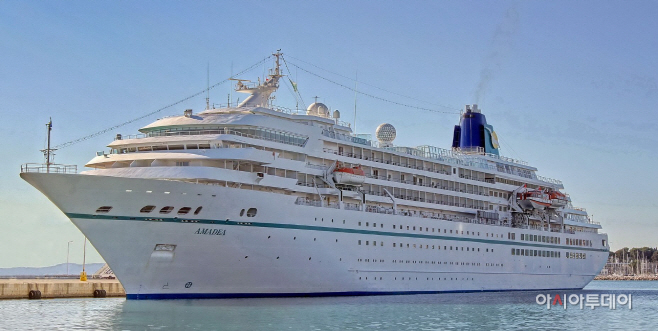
{"x":46,"y":288}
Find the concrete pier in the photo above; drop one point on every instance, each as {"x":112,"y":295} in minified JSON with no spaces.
{"x":59,"y":288}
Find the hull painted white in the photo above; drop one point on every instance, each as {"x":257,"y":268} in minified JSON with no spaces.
{"x":296,"y":250}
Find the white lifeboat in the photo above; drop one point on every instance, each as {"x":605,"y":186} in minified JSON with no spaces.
{"x":534,"y":199}
{"x":557,"y":198}
{"x":349,"y":176}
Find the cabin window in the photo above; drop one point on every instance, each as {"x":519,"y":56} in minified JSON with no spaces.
{"x":184,"y":210}
{"x":251,"y":212}
{"x":166,"y":210}
{"x":182,"y":164}
{"x":147,"y":209}
{"x":176,"y":147}
{"x":198,"y":210}
{"x":242,"y":212}
{"x":104,"y":209}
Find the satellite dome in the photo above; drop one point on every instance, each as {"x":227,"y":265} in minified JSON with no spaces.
{"x":318,"y":109}
{"x":385,"y":133}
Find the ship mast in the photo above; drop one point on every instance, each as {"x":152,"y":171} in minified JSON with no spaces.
{"x":260,"y":94}
{"x":48,"y":153}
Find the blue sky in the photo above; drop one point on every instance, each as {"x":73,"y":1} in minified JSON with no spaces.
{"x":570,"y":87}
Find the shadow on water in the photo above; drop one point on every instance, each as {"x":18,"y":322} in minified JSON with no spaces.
{"x":450,"y":311}
{"x":485,"y":311}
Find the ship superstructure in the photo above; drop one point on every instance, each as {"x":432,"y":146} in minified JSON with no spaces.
{"x":251,"y":200}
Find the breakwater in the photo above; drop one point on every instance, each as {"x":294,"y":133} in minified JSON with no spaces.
{"x":59,"y":288}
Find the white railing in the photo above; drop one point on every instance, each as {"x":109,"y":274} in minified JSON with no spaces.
{"x":209,"y":132}
{"x":51,"y":168}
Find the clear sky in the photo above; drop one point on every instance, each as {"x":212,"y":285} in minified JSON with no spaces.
{"x":570,"y":86}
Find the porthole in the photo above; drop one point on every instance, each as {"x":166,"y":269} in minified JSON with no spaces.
{"x":147,"y":209}
{"x":198,"y":210}
{"x":184,"y":210}
{"x":104,"y":209}
{"x":166,"y":210}
{"x":242,"y":212}
{"x":251,"y":212}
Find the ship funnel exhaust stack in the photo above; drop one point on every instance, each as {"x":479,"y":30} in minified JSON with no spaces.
{"x":473,"y":135}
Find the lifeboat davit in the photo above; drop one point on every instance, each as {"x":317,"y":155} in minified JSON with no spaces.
{"x":349,"y":176}
{"x":535,"y":199}
{"x":558,"y":199}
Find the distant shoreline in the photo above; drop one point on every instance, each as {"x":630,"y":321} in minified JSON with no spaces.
{"x":630,"y":277}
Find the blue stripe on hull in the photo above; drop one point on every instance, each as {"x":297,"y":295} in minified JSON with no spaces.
{"x":167,"y":296}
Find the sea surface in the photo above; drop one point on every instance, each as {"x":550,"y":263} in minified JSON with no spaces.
{"x":461,"y":311}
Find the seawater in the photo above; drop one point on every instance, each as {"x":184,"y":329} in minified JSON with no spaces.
{"x":450,"y":311}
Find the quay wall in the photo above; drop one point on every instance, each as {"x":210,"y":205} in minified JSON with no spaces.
{"x":59,"y":288}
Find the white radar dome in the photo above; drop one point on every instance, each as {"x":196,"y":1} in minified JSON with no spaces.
{"x":385,"y":133}
{"x":318,"y":109}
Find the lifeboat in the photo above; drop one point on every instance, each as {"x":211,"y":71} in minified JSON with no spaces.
{"x":557,"y":198}
{"x":534,"y":199}
{"x":349,"y":176}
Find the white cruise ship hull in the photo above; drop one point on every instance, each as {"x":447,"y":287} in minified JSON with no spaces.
{"x":295,"y":250}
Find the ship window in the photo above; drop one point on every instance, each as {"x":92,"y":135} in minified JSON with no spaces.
{"x":176,"y":147}
{"x":147,"y":209}
{"x":192,"y":146}
{"x":104,"y":209}
{"x":359,"y":242}
{"x":184,"y":210}
{"x":242,"y":212}
{"x":182,"y":164}
{"x":198,"y":210}
{"x":251,"y":212}
{"x":166,"y":210}
{"x":204,"y":146}
{"x":393,"y":226}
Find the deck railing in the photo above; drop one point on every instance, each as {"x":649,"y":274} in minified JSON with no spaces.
{"x":49,"y":168}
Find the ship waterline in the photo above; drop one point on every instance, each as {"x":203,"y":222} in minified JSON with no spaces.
{"x":249,"y":200}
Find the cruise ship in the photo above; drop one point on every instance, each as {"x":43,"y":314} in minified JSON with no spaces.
{"x":250,"y":200}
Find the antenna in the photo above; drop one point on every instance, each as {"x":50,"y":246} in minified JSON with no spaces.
{"x":48,"y":152}
{"x":356,"y":80}
{"x":208,"y":86}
